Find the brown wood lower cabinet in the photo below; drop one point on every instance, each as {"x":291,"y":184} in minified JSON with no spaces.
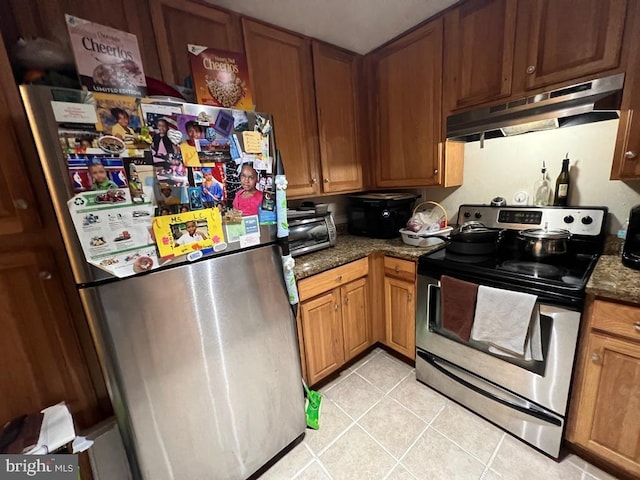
{"x":42,"y":362}
{"x":355,"y":320}
{"x":606,"y":412}
{"x":342,"y":311}
{"x":334,"y":318}
{"x":322,"y":327}
{"x":400,"y":306}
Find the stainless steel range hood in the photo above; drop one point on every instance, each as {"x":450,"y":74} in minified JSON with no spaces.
{"x":601,"y":95}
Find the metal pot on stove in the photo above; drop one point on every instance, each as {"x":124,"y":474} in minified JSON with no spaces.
{"x":473,"y":238}
{"x":543,"y":244}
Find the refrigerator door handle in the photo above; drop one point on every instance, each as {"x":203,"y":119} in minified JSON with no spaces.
{"x":526,"y":409}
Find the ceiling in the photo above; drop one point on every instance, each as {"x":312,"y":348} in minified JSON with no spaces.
{"x":357,"y":25}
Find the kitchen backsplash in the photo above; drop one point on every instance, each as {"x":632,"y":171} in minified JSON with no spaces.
{"x":512,"y":164}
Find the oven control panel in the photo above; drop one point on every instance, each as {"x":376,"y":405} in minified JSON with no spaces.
{"x":587,"y":221}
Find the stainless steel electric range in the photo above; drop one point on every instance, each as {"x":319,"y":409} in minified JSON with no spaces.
{"x":526,"y":398}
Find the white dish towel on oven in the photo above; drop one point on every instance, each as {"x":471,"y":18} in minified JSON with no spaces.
{"x":509,"y":322}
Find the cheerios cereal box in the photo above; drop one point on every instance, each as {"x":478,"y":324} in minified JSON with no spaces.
{"x":220,"y":78}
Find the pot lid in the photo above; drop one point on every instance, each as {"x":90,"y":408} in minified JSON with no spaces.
{"x":541,"y":233}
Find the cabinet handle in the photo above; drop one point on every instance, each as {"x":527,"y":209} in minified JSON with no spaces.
{"x":45,"y":275}
{"x":636,"y":325}
{"x":595,"y":357}
{"x":314,"y":180}
{"x":326,"y":180}
{"x":630,"y":154}
{"x":435,"y":171}
{"x":531,"y":69}
{"x":336,"y":306}
{"x":20,"y":204}
{"x":346,"y":300}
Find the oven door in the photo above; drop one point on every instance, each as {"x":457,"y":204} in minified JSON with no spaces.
{"x":545,"y":383}
{"x":537,"y":426}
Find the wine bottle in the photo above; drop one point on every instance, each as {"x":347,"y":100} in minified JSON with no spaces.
{"x":562,"y":185}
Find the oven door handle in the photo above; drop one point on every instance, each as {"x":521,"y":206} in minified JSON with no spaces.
{"x":433,"y":361}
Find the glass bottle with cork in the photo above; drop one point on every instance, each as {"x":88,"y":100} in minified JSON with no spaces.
{"x":563,"y":182}
{"x":541,"y":189}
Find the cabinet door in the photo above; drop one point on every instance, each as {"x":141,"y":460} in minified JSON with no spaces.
{"x":35,"y":18}
{"x":355,"y":318}
{"x":562,"y":40}
{"x":281,"y":73}
{"x":17,"y":206}
{"x":608,"y":416}
{"x":322,"y":331}
{"x":42,"y":363}
{"x":626,"y":156}
{"x":478,"y":51}
{"x":409,"y":91}
{"x":178,"y":23}
{"x":400,"y":316}
{"x":336,"y":81}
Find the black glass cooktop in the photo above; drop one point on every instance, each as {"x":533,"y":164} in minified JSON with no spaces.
{"x":558,"y":281}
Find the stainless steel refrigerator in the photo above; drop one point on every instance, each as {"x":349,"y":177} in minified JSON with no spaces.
{"x":201,"y":358}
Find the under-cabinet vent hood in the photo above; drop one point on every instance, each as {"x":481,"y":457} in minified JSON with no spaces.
{"x":582,"y":103}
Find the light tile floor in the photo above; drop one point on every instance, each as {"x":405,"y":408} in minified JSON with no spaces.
{"x":378,"y":422}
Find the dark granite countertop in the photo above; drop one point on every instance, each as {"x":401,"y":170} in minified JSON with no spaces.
{"x":611,"y":279}
{"x":349,"y":248}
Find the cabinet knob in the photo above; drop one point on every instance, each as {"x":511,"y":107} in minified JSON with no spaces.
{"x":409,"y":298}
{"x":630,"y":154}
{"x":397,"y":269}
{"x":595,"y":357}
{"x":326,"y":180}
{"x":45,"y":275}
{"x":339,"y":278}
{"x":531,"y":69}
{"x":346,"y":299}
{"x":435,"y":171}
{"x":636,"y":325}
{"x":20,"y":204}
{"x":314,"y":180}
{"x":336,"y":306}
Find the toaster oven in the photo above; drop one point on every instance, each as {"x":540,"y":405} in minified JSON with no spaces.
{"x":312,"y":233}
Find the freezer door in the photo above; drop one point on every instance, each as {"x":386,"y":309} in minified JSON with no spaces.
{"x":203,"y":365}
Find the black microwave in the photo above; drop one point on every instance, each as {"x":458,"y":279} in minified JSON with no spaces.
{"x":379,"y":215}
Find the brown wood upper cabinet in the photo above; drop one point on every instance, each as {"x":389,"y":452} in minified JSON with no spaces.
{"x":35,"y":18}
{"x":479,"y":46}
{"x":281,"y":70}
{"x":506,"y":48}
{"x":336,"y":74}
{"x":563,"y":40}
{"x":626,"y":156}
{"x":177,"y":23}
{"x":407,"y":95}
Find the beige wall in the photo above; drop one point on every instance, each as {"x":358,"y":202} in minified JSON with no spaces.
{"x":507,"y":165}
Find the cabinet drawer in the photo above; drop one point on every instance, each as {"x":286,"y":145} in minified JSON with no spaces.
{"x":617,"y":319}
{"x":325,"y":281}
{"x":402,"y":269}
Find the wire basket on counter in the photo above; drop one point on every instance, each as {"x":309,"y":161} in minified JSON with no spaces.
{"x":426,"y":239}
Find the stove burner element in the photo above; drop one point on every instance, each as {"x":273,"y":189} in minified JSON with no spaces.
{"x":533,"y":269}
